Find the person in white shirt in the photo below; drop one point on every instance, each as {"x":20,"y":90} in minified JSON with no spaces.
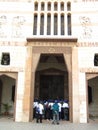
{"x":39,"y":112}
{"x":59,"y":110}
{"x":66,"y":110}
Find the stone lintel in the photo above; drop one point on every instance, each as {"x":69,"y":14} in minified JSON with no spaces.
{"x":89,"y":70}
{"x":11,"y":69}
{"x":52,"y":39}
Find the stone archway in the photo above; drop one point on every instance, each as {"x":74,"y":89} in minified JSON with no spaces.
{"x":67,"y":53}
{"x":0,"y":94}
{"x":8,"y":81}
{"x":52,"y":73}
{"x":92,"y":96}
{"x":38,"y":46}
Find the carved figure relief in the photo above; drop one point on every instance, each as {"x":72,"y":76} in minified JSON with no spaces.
{"x":85,"y":23}
{"x":17,"y":26}
{"x":3,"y":24}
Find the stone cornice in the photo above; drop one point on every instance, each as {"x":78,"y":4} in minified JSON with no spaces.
{"x":69,"y":42}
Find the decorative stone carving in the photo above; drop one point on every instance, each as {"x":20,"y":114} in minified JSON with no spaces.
{"x":51,"y":50}
{"x":5,"y":58}
{"x":85,"y":23}
{"x":3,"y":23}
{"x":17,"y":26}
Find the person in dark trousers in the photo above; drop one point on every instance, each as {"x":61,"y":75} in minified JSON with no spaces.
{"x":39,"y":112}
{"x":55,"y":109}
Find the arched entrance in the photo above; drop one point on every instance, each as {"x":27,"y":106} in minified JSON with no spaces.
{"x":92,"y":87}
{"x":7,"y":94}
{"x":0,"y":94}
{"x":38,"y":47}
{"x":52,"y":65}
{"x":51,"y":80}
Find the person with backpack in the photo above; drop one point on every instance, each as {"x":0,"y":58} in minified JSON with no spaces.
{"x":39,"y":112}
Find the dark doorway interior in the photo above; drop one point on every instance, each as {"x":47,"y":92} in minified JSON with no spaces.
{"x":0,"y":94}
{"x":51,"y":87}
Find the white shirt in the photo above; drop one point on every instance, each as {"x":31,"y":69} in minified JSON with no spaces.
{"x":59,"y":107}
{"x":65,"y":105}
{"x":41,"y":108}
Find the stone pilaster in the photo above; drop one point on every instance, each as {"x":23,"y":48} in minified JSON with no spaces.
{"x":27,"y":100}
{"x":75,"y":87}
{"x":83,"y":98}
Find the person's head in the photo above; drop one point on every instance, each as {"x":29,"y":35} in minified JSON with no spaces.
{"x":55,"y":101}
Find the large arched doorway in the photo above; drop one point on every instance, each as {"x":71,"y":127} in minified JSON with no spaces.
{"x":7,"y":95}
{"x":51,"y":86}
{"x":92,"y":99}
{"x":51,"y":80}
{"x":0,"y":94}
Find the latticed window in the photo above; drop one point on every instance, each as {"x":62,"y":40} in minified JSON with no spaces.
{"x":35,"y":25}
{"x":62,"y":25}
{"x":42,"y":6}
{"x":62,"y":6}
{"x":55,"y":6}
{"x":48,"y":24}
{"x":5,"y":58}
{"x":69,"y":23}
{"x":36,"y":6}
{"x":42,"y":25}
{"x":55,"y":24}
{"x":49,"y":6}
{"x":47,"y":21}
{"x":68,"y":6}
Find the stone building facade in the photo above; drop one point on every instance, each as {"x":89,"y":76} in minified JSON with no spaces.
{"x":42,"y":40}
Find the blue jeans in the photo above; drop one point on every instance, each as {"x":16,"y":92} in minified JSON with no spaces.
{"x":55,"y":117}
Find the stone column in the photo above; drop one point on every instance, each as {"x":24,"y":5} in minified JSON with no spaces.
{"x":75,"y":87}
{"x":27,"y":99}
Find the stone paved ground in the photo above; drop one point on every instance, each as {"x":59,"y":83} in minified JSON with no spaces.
{"x":9,"y":124}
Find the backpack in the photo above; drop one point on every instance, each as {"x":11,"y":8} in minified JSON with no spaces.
{"x":37,"y":110}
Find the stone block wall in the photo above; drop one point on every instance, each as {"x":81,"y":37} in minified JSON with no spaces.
{"x":17,"y":56}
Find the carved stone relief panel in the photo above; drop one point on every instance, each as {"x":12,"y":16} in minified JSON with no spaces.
{"x":17,"y":26}
{"x":3,"y":25}
{"x":86,"y":27}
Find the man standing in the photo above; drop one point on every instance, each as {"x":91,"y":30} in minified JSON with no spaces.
{"x":39,"y":112}
{"x":55,"y":109}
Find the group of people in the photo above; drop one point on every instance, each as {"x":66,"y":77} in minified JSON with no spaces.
{"x":54,"y":110}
